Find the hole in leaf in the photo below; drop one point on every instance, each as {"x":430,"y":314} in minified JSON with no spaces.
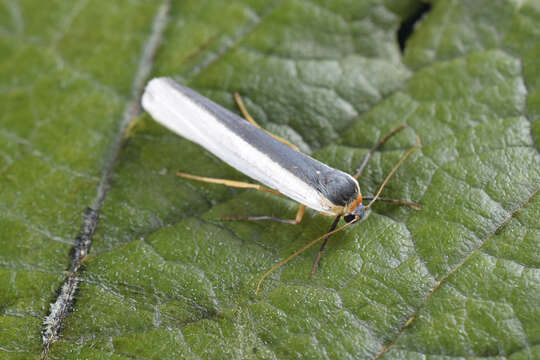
{"x":407,"y":26}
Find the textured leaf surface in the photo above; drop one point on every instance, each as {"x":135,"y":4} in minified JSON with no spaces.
{"x":166,"y":278}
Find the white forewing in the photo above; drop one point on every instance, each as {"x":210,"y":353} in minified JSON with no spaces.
{"x":179,"y":113}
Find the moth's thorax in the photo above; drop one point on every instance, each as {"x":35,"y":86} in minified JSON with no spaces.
{"x":354,"y":204}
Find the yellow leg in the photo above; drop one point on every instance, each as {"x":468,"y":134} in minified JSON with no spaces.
{"x":300,"y":214}
{"x":240,"y":184}
{"x":230,"y":183}
{"x":248,"y":117}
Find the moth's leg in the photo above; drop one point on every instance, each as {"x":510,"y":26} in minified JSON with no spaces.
{"x":248,"y":117}
{"x":245,"y":185}
{"x":296,"y":220}
{"x":230,"y":183}
{"x":374,"y":148}
{"x":321,"y":249}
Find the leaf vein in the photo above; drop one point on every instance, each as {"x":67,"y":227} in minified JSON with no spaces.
{"x":453,"y":271}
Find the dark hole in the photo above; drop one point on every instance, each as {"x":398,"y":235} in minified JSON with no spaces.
{"x":407,"y":26}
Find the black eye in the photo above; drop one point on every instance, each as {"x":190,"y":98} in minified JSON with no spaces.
{"x":349,"y":217}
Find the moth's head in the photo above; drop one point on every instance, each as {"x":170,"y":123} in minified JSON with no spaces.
{"x":356,"y":210}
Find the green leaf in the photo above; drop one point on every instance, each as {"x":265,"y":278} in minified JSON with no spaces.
{"x":165,"y":278}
